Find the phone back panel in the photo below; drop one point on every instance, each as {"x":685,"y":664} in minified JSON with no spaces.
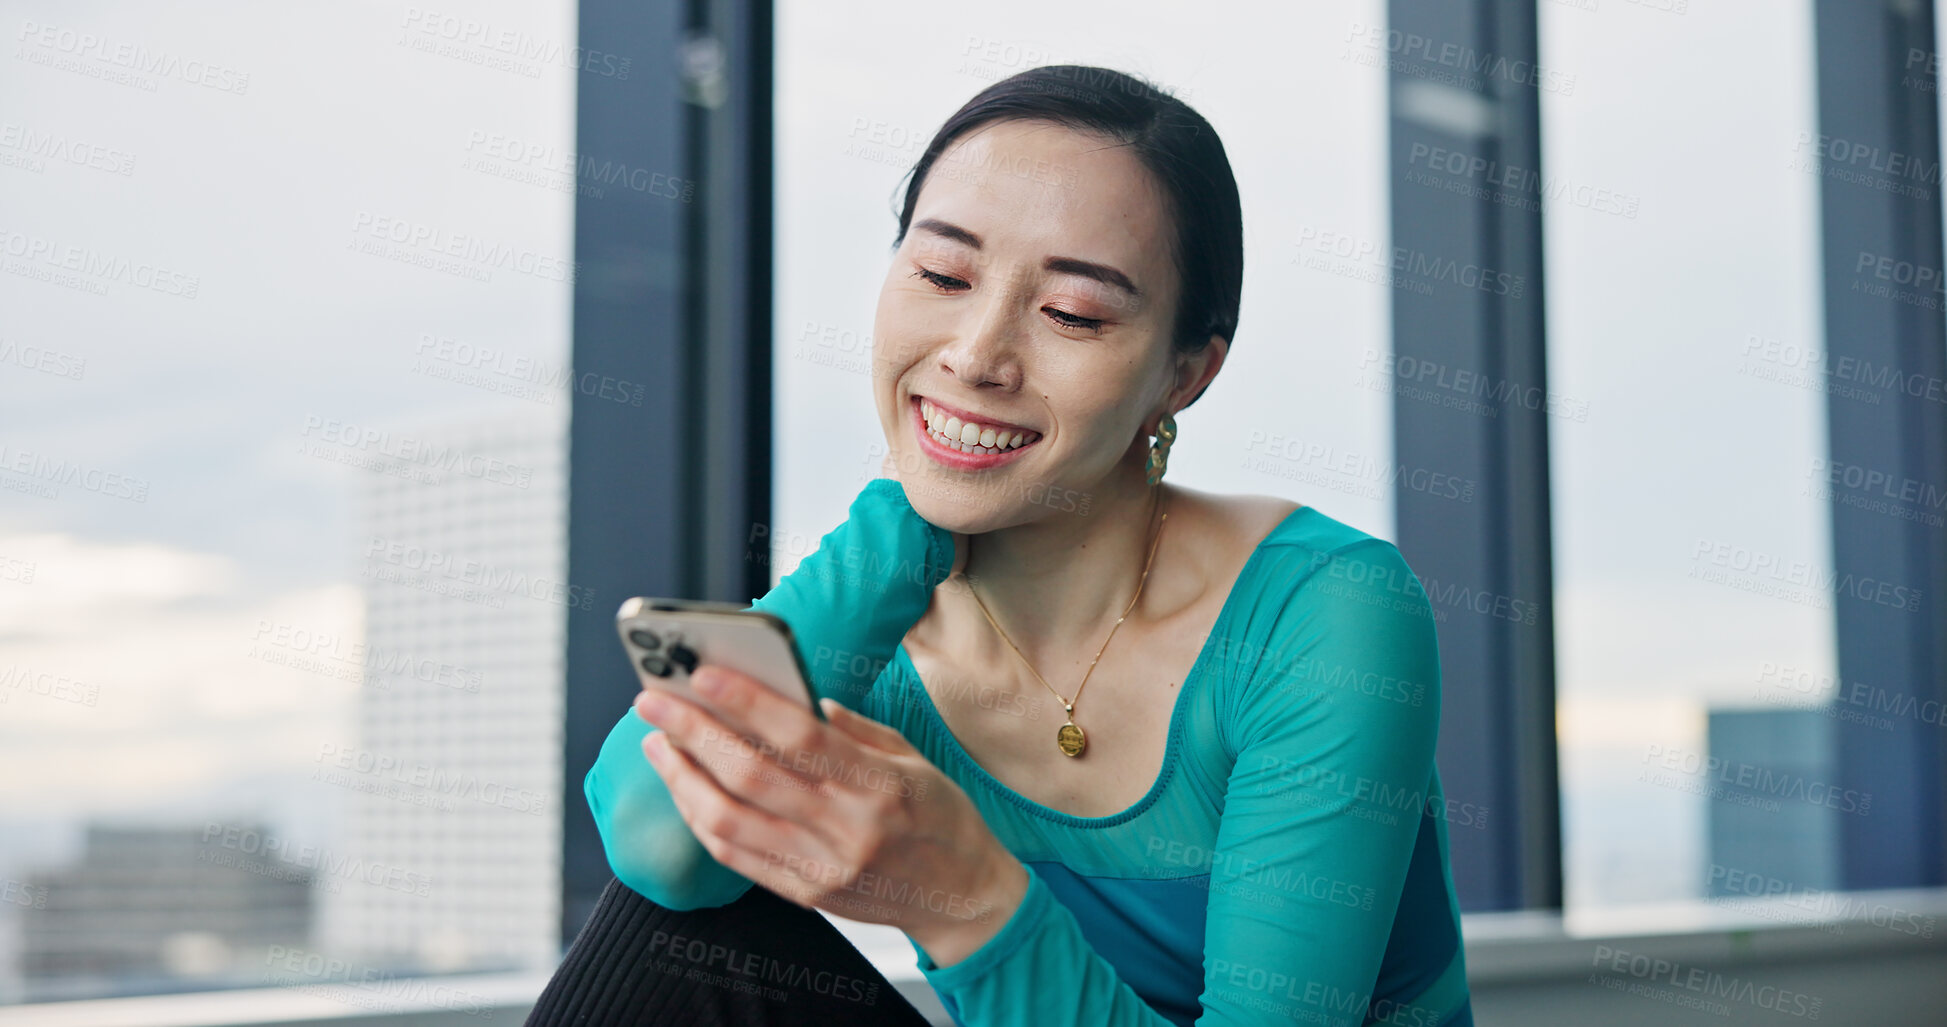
{"x":717,"y":633}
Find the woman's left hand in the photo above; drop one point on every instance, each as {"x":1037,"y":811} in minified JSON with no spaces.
{"x":843,"y":815}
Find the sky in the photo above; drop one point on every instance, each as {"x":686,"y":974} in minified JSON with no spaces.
{"x":239,"y":330}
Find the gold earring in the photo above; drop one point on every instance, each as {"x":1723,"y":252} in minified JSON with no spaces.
{"x":1159,"y":451}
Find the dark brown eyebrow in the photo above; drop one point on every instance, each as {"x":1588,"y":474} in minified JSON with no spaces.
{"x":1060,"y":265}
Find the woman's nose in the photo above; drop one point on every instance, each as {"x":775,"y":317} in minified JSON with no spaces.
{"x":987,"y":351}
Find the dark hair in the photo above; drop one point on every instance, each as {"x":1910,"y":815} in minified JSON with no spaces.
{"x":1173,"y":141}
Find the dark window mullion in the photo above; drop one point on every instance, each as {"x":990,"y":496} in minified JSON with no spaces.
{"x":1497,"y":744}
{"x":1878,"y":101}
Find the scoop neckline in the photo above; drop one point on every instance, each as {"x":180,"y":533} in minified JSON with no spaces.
{"x":1172,"y":745}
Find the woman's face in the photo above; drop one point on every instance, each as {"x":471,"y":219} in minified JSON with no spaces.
{"x":1032,"y":297}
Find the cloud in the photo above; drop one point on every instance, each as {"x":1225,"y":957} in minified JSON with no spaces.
{"x":139,"y":674}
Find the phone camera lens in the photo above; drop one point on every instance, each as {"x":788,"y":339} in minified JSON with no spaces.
{"x":683,"y":656}
{"x":656,"y":665}
{"x":645,"y":639}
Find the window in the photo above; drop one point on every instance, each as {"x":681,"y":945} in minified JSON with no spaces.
{"x":1690,"y":524}
{"x":287,"y":312}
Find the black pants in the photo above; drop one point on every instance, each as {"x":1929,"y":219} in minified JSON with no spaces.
{"x":759,"y":960}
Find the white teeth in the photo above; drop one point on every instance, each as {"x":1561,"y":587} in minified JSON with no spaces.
{"x":969,"y":436}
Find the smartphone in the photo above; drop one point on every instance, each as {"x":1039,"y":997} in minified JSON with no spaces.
{"x":666,"y":639}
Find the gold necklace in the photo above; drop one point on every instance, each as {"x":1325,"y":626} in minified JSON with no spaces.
{"x":1070,"y":737}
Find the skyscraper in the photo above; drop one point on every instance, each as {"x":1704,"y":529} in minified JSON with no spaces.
{"x":150,"y":909}
{"x":1770,"y":770}
{"x":453,"y":778}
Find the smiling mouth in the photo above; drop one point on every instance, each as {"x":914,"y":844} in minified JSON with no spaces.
{"x":952,"y":429}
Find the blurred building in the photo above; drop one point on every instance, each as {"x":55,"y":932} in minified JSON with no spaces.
{"x":1771,"y":772}
{"x":453,"y":779}
{"x":154,"y":909}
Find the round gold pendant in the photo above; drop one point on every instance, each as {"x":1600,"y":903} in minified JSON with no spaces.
{"x":1071,"y":740}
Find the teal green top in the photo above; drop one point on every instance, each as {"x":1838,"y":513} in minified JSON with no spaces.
{"x":1289,"y":864}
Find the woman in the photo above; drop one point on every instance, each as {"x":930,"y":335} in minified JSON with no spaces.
{"x":1230,"y":826}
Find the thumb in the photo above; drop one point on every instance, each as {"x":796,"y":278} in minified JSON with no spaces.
{"x":862,"y":728}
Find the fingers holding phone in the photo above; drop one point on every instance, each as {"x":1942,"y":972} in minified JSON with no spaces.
{"x":717,"y":743}
{"x":679,"y":646}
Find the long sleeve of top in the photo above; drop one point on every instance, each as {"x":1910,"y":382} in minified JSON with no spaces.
{"x":1289,"y":863}
{"x":848,"y":604}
